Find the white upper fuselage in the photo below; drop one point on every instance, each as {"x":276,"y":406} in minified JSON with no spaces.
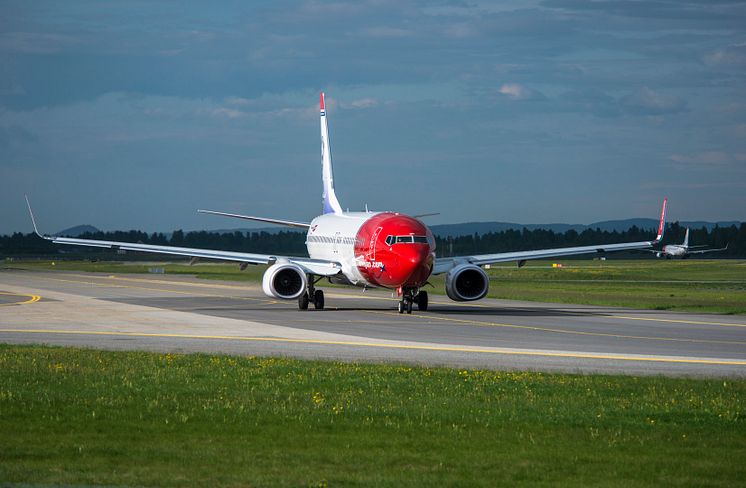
{"x":675,"y":250}
{"x":332,"y":237}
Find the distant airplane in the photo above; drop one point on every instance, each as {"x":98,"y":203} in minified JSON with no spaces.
{"x":683,"y":250}
{"x":365,"y":249}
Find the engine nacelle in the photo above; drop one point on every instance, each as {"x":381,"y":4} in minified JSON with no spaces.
{"x":284,"y":280}
{"x":467,"y":282}
{"x":659,"y":255}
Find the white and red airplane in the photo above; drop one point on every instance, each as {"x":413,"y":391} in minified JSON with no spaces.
{"x":366,"y":249}
{"x":683,"y":250}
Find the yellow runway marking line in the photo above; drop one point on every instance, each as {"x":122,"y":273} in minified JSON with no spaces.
{"x":596,"y":313}
{"x":30,"y":299}
{"x":496,"y":351}
{"x":560,"y":331}
{"x":167,"y":282}
{"x":179,"y":292}
{"x":677,"y":321}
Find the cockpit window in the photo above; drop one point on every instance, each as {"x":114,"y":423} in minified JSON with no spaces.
{"x":410,"y":239}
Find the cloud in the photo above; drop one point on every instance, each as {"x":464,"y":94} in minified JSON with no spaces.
{"x":591,"y":100}
{"x":649,"y":102}
{"x":733,"y":55}
{"x":520,"y":92}
{"x":229,"y":113}
{"x":361,"y":103}
{"x":460,"y":30}
{"x":707,"y":160}
{"x":386,"y":32}
{"x":34,"y":42}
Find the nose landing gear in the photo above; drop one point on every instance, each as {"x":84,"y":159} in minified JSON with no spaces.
{"x":411,"y":296}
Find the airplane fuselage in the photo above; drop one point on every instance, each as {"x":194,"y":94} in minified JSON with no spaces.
{"x":374,"y":248}
{"x":676,"y":251}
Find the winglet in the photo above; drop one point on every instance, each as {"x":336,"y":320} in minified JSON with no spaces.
{"x":662,"y":225}
{"x":321,"y":97}
{"x":33,"y":220}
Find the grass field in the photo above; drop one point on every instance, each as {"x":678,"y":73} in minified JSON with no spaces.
{"x":73,"y":416}
{"x":717,"y":286}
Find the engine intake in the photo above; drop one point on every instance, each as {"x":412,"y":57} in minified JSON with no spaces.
{"x":466,"y":283}
{"x":284,"y":280}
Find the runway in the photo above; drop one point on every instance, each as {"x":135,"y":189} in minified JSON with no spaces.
{"x":173,"y":313}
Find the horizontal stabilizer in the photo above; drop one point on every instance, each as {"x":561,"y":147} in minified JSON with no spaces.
{"x":288,"y":223}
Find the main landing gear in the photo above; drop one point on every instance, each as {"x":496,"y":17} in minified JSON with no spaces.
{"x":410,"y":296}
{"x":312,"y":295}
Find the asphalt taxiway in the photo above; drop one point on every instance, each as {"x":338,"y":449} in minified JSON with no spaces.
{"x":173,"y":313}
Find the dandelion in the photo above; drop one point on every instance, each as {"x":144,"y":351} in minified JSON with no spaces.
{"x":318,"y":398}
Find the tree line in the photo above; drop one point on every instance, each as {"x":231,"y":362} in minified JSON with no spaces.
{"x":293,"y":243}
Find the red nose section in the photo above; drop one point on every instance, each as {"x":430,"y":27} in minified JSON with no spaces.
{"x":394,"y":250}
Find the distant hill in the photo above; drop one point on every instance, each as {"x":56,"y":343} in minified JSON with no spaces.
{"x":76,"y":231}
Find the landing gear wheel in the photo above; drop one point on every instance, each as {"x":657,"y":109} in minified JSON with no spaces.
{"x":303,"y":302}
{"x":422,"y":301}
{"x":401,"y":306}
{"x":318,"y":300}
{"x":409,"y":306}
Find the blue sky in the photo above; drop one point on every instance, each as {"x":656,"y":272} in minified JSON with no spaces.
{"x":134,"y":114}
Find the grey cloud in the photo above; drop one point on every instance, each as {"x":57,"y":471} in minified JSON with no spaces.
{"x":34,"y":42}
{"x":592,"y":101}
{"x":700,"y":11}
{"x":645,"y":101}
{"x":729,"y":56}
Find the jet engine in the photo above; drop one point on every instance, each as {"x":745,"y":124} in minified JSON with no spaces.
{"x":284,"y":280}
{"x":659,"y":255}
{"x":466,"y":283}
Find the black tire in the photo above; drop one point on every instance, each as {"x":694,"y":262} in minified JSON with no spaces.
{"x":422,"y":301}
{"x":303,"y":302}
{"x":318,"y":300}
{"x":401,"y":306}
{"x":409,"y":306}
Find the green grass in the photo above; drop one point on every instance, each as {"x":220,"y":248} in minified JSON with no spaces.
{"x":76,"y":416}
{"x":716,"y":286}
{"x":683,"y":285}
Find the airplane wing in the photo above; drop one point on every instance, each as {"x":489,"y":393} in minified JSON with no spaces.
{"x":708,"y":250}
{"x":313,"y":266}
{"x":443,"y":265}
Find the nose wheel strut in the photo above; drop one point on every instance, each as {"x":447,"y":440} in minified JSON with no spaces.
{"x":411,"y":296}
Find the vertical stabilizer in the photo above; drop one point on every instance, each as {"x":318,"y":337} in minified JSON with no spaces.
{"x":329,"y":198}
{"x":662,"y":224}
{"x":686,"y":238}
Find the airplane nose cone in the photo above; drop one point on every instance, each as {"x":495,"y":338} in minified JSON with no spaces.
{"x":415,"y":264}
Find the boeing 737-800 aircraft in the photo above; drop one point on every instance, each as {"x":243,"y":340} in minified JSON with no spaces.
{"x":683,"y":250}
{"x":366,"y":249}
